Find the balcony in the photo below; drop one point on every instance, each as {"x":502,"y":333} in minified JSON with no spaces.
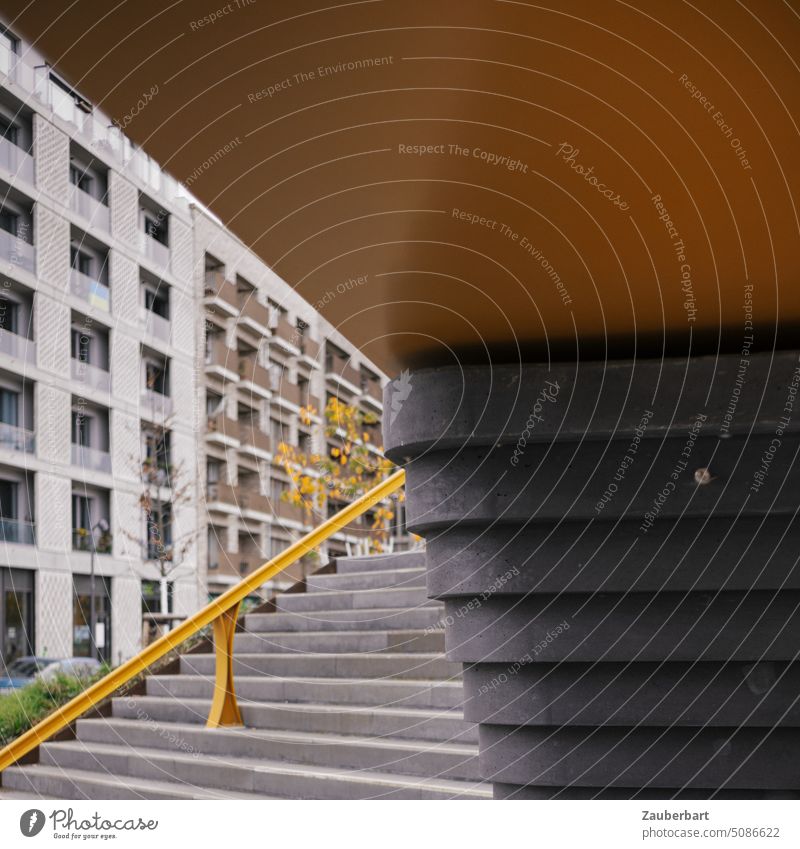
{"x":13,"y":438}
{"x":155,"y":251}
{"x":220,"y":428}
{"x":253,"y":440}
{"x":156,"y":403}
{"x":92,"y":291}
{"x":220,"y":356}
{"x":16,"y":161}
{"x":340,"y":371}
{"x":17,"y":347}
{"x":316,"y":403}
{"x":253,"y":373}
{"x":286,"y":336}
{"x":222,"y":292}
{"x":91,"y":459}
{"x":223,"y":496}
{"x":254,"y":502}
{"x":95,"y":212}
{"x":289,"y":392}
{"x":15,"y":530}
{"x":155,"y":325}
{"x":255,"y":314}
{"x":372,"y":393}
{"x":90,"y":376}
{"x":17,"y":251}
{"x":290,"y":512}
{"x":309,"y":351}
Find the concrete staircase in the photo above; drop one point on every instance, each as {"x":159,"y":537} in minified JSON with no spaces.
{"x":345,"y":694}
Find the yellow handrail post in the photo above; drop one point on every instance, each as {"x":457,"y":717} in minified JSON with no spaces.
{"x":224,"y":708}
{"x":228,"y":603}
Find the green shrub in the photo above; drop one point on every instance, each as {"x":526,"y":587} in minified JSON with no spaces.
{"x":23,"y":708}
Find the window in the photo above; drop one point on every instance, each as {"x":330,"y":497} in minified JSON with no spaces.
{"x":151,"y":597}
{"x":157,"y":449}
{"x":81,"y":178}
{"x":9,"y":315}
{"x":8,"y":130}
{"x":277,"y":489}
{"x":81,"y":511}
{"x":8,"y":499}
{"x":16,"y":614}
{"x":156,"y":226}
{"x":81,"y":346}
{"x":156,"y":378}
{"x":159,"y":533}
{"x":81,"y":428}
{"x":9,"y":407}
{"x":80,"y":261}
{"x":212,"y":471}
{"x":9,"y":221}
{"x":8,"y":40}
{"x":90,"y":594}
{"x":157,"y":301}
{"x":213,"y":403}
{"x":277,"y":432}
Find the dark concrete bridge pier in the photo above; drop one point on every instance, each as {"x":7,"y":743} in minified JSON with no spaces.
{"x":617,"y":545}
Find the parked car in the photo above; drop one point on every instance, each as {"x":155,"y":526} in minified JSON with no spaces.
{"x":26,"y":669}
{"x":22,"y":671}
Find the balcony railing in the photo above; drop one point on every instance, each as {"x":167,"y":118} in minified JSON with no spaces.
{"x":13,"y":438}
{"x":286,"y":510}
{"x":154,"y":401}
{"x":221,"y":424}
{"x":218,"y":287}
{"x":155,"y":251}
{"x":255,"y":501}
{"x":93,"y":210}
{"x":91,"y":458}
{"x":251,"y":436}
{"x":255,"y":311}
{"x":222,"y":493}
{"x":340,"y":369}
{"x":285,"y":334}
{"x":155,"y":325}
{"x":90,"y":290}
{"x":16,"y":160}
{"x":91,"y":376}
{"x":17,"y":346}
{"x":15,"y":530}
{"x":253,"y":372}
{"x":17,"y":251}
{"x":219,"y":354}
{"x":289,"y":392}
{"x":82,"y":541}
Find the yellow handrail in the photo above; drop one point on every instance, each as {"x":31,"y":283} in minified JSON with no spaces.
{"x":221,"y":612}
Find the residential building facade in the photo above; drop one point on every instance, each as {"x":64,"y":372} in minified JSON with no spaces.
{"x":150,"y":364}
{"x":97,"y":352}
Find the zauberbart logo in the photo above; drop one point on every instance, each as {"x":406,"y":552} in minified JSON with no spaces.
{"x":31,"y":822}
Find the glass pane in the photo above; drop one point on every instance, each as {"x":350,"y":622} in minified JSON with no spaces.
{"x":16,"y":635}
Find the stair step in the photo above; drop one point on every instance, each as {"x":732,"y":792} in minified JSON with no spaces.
{"x":381,"y":619}
{"x":355,"y":600}
{"x":376,"y":562}
{"x":384,"y":578}
{"x":361,"y":691}
{"x":262,"y":778}
{"x":363,"y":721}
{"x":52,"y":782}
{"x":409,"y":757}
{"x":328,"y":642}
{"x":351,"y":665}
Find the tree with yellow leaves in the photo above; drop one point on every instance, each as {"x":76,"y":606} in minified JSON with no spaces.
{"x":351,"y":464}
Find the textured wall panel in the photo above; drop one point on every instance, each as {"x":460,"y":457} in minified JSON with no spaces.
{"x":184,"y":322}
{"x":52,"y":248}
{"x":124,"y":200}
{"x":53,"y":511}
{"x":125,"y":367}
{"x":124,"y":277}
{"x":52,"y":329}
{"x":54,"y":593}
{"x":53,"y":436}
{"x":126,"y":617}
{"x":51,"y":159}
{"x":181,"y":249}
{"x":125,"y":446}
{"x":127,"y":526}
